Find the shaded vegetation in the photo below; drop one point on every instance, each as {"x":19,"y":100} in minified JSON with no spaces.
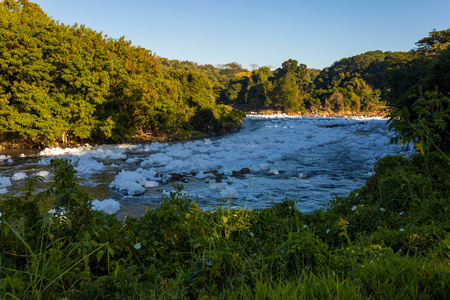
{"x":388,"y":239}
{"x":421,"y":94}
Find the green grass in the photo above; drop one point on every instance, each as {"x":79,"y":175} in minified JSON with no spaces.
{"x":389,"y":239}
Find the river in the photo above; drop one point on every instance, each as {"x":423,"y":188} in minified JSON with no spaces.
{"x":306,"y":159}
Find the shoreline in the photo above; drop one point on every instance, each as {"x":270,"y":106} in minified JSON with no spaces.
{"x":149,"y":138}
{"x":383,"y":112}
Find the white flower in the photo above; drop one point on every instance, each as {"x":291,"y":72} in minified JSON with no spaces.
{"x":401,"y":229}
{"x":356,"y":194}
{"x":354,"y":207}
{"x":362,"y":266}
{"x":328,"y":230}
{"x":401,"y":213}
{"x":304,"y":226}
{"x":251,"y":234}
{"x":382,"y":209}
{"x":137,"y":246}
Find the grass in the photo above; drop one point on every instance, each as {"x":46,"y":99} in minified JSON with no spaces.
{"x":388,"y":239}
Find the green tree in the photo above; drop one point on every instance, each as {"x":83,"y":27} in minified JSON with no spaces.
{"x":435,"y":41}
{"x":59,"y":81}
{"x":286,"y":94}
{"x":422,"y":100}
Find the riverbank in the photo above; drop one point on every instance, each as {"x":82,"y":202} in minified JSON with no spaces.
{"x":193,"y":135}
{"x":382,"y":112}
{"x":139,"y":138}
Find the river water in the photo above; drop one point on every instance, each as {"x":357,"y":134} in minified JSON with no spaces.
{"x":306,"y":159}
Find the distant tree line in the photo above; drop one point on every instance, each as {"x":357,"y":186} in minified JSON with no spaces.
{"x":415,"y":85}
{"x":359,"y":83}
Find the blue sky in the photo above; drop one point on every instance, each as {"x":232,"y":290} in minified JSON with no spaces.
{"x":315,"y":32}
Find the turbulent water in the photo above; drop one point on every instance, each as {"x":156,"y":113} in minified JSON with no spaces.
{"x":309,"y":160}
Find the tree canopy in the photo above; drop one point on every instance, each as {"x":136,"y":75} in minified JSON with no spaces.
{"x":59,"y":81}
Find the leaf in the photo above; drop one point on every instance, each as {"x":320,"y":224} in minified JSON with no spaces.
{"x":343,"y":223}
{"x":110,"y":251}
{"x":100,"y":254}
{"x":6,"y":230}
{"x":419,"y":147}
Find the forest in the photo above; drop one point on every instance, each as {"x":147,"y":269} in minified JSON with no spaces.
{"x":64,"y":84}
{"x":60,"y":82}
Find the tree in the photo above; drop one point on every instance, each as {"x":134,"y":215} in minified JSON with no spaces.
{"x":435,"y":41}
{"x":59,"y":81}
{"x":422,"y":101}
{"x":254,"y":66}
{"x":286,"y":93}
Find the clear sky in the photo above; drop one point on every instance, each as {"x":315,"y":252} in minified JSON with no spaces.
{"x":314,"y":32}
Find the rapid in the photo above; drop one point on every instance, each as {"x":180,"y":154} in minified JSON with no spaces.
{"x":271,"y":158}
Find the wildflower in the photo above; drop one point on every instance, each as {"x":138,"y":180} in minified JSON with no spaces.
{"x":137,"y":246}
{"x":401,"y":213}
{"x":251,"y":234}
{"x":401,"y":229}
{"x":328,"y":230}
{"x":356,"y":194}
{"x":362,"y":266}
{"x":382,"y":209}
{"x":304,"y":226}
{"x":354,"y":207}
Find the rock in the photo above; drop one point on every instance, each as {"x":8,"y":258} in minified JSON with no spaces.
{"x":241,"y":173}
{"x":220,"y":177}
{"x":178,"y":177}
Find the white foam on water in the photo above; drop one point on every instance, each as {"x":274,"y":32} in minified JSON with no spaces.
{"x":108,"y":206}
{"x":297,"y":157}
{"x":88,"y":165}
{"x":132,"y":183}
{"x":42,"y":173}
{"x":19,"y":176}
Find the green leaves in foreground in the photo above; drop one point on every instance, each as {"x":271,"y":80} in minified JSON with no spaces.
{"x":397,"y":223}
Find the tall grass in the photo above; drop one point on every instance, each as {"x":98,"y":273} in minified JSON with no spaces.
{"x":389,"y":239}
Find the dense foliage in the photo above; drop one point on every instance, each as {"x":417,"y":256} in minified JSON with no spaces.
{"x":60,"y":82}
{"x":63,"y":83}
{"x":420,"y":94}
{"x":352,"y":84}
{"x":363,"y":82}
{"x":388,"y":239}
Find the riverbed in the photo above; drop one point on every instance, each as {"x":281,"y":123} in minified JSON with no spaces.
{"x":271,"y":158}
